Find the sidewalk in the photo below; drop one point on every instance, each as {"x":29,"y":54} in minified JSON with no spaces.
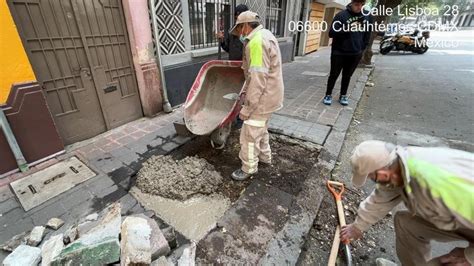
{"x":117,"y":155}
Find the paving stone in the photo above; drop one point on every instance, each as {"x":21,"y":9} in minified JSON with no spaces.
{"x":135,"y":243}
{"x":158,"y":243}
{"x":20,"y":226}
{"x":125,"y":155}
{"x":106,"y":163}
{"x":23,"y":255}
{"x":181,"y":139}
{"x":36,"y":236}
{"x":100,"y":183}
{"x":70,"y":200}
{"x":5,"y":193}
{"x":15,"y":241}
{"x":167,"y":131}
{"x":99,"y":246}
{"x":51,"y":249}
{"x":8,"y":205}
{"x":139,"y":146}
{"x":168,"y":147}
{"x":127,"y":202}
{"x":107,"y":191}
{"x":11,"y":217}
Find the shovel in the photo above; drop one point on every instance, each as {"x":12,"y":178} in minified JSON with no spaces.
{"x":333,"y":187}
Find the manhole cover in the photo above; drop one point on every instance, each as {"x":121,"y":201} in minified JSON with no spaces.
{"x":37,"y":188}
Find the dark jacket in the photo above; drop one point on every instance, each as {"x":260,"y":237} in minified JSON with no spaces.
{"x":233,"y":46}
{"x":346,"y":42}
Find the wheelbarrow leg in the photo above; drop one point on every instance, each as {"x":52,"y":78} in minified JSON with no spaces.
{"x":219,"y":136}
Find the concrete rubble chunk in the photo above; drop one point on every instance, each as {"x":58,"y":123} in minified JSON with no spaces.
{"x":170,"y":236}
{"x":189,"y":256}
{"x":159,"y":243}
{"x":51,"y":249}
{"x":99,"y":246}
{"x":162,"y":261}
{"x":384,"y":262}
{"x":70,"y":235}
{"x":55,"y":223}
{"x":36,"y":236}
{"x":15,"y":241}
{"x":92,"y":217}
{"x":23,"y":255}
{"x":135,"y":244}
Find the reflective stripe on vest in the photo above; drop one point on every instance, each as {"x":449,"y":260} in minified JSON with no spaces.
{"x":453,"y":190}
{"x":255,"y":123}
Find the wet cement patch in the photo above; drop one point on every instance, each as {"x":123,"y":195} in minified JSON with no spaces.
{"x":193,"y":218}
{"x":292,"y":160}
{"x":178,"y":179}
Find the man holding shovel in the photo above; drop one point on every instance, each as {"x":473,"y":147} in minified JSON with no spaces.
{"x":263,"y":91}
{"x":437,"y":187}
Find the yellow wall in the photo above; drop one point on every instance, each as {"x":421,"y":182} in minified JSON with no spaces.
{"x":14,"y":64}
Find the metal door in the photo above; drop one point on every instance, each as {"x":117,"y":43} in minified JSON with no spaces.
{"x":80,"y":54}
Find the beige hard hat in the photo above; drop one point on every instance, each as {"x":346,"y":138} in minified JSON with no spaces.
{"x":244,"y":17}
{"x":368,"y":157}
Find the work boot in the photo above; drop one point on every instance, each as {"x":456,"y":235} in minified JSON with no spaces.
{"x":266,"y":163}
{"x":344,"y":100}
{"x":327,"y":100}
{"x":240,"y":175}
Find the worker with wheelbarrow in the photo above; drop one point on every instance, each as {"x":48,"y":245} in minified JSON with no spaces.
{"x":437,"y":187}
{"x":263,"y":91}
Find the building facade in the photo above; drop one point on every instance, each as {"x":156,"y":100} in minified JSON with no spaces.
{"x":73,"y":69}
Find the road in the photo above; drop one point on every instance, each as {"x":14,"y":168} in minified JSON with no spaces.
{"x":421,"y":100}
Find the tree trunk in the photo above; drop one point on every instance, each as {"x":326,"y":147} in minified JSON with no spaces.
{"x":368,"y":53}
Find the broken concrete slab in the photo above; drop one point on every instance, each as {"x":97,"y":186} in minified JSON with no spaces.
{"x":36,"y":236}
{"x":158,"y":242}
{"x":70,"y":235}
{"x":104,"y":251}
{"x":55,"y":223}
{"x":99,"y":246}
{"x":170,"y":236}
{"x":162,"y":261}
{"x":189,"y":256}
{"x":51,"y":249}
{"x":135,"y":243}
{"x":247,"y":228}
{"x":193,"y":218}
{"x":23,"y":255}
{"x":15,"y":241}
{"x":92,"y":217}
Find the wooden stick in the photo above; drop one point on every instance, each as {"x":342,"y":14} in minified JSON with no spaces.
{"x":335,"y":247}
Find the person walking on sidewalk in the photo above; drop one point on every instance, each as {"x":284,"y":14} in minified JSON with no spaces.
{"x":350,"y":35}
{"x":437,"y":187}
{"x":263,"y":92}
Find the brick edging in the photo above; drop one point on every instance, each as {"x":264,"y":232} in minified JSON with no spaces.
{"x":285,"y":247}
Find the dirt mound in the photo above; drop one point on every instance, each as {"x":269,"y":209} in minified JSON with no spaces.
{"x":180,"y":179}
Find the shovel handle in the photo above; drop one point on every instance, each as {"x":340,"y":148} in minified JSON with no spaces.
{"x":331,"y":186}
{"x":335,"y":247}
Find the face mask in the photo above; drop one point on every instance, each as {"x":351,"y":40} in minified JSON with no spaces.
{"x":242,"y":38}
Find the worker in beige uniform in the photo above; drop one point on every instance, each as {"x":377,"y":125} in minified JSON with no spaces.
{"x":263,"y":91}
{"x":437,"y":187}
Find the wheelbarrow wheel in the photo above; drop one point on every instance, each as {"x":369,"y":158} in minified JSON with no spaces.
{"x":219,"y":136}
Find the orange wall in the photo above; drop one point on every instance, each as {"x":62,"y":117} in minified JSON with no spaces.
{"x":14,"y":64}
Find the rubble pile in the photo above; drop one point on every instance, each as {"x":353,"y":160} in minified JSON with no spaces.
{"x":163,"y":176}
{"x":102,"y":239}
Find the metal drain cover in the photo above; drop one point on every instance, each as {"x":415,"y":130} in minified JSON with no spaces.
{"x":37,"y":188}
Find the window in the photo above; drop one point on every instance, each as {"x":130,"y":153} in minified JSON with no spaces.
{"x":206,"y":18}
{"x":274,"y":20}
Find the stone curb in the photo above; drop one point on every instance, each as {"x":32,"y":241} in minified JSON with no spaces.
{"x":285,"y":248}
